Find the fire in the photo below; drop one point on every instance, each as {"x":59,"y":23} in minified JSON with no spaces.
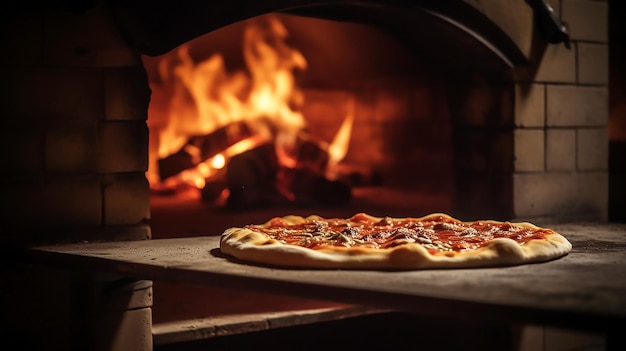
{"x":261,"y":102}
{"x":338,"y":148}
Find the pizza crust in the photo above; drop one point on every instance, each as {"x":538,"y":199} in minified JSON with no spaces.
{"x":249,"y":245}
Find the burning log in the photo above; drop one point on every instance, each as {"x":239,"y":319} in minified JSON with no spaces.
{"x":307,"y":184}
{"x":201,"y":147}
{"x":306,"y":188}
{"x":251,"y":177}
{"x":257,"y":178}
{"x":311,"y":154}
{"x":255,"y":174}
{"x":213,"y":191}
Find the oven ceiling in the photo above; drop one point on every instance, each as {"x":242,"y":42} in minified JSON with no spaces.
{"x":160,"y":27}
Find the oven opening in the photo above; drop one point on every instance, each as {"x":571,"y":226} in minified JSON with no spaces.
{"x":267,"y":117}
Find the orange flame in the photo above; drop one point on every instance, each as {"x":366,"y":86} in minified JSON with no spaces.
{"x":204,"y":96}
{"x":338,"y":148}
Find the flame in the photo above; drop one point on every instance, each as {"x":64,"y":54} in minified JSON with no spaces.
{"x":338,"y":148}
{"x":204,"y":96}
{"x":271,"y":63}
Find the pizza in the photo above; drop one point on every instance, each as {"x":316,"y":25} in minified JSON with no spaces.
{"x":364,"y":241}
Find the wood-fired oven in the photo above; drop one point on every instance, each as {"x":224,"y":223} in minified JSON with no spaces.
{"x":481,"y":109}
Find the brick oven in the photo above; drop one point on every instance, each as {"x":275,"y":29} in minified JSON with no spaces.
{"x":82,"y":147}
{"x":513,"y":120}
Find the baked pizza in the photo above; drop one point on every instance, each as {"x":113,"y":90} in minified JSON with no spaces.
{"x":367,"y":242}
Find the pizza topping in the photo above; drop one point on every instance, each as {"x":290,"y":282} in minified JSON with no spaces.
{"x":444,"y":226}
{"x":436,"y":233}
{"x":402,"y":233}
{"x":385,"y":221}
{"x":320,"y":226}
{"x":352,"y":232}
{"x":468,"y":232}
{"x":505,"y":226}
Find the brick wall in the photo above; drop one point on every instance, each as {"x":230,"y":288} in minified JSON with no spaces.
{"x":73,"y":139}
{"x":73,"y":154}
{"x":561,"y":114}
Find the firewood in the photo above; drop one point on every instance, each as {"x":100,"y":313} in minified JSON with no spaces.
{"x":201,"y":147}
{"x":251,"y":178}
{"x":311,"y":154}
{"x":310,"y":188}
{"x":213,"y":190}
